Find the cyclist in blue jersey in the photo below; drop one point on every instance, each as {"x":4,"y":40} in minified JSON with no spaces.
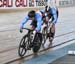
{"x":52,"y":15}
{"x":36,"y":21}
{"x":36,"y":18}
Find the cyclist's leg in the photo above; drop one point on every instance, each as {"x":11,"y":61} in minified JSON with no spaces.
{"x":34,"y":25}
{"x":40,"y":36}
{"x":52,"y":33}
{"x":52,"y":30}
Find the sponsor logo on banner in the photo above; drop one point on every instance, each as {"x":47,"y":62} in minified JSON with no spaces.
{"x":31,"y":3}
{"x":41,"y":2}
{"x":13,"y":3}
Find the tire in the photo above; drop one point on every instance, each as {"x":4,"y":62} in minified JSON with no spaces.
{"x":44,"y":36}
{"x":23,"y":46}
{"x":36,"y":44}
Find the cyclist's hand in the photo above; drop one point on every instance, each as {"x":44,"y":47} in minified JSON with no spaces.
{"x":50,"y":20}
{"x":34,"y":32}
{"x":21,"y":30}
{"x":51,"y":24}
{"x":44,"y":25}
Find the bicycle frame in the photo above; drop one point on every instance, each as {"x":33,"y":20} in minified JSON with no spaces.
{"x":35,"y":45}
{"x":29,"y":35}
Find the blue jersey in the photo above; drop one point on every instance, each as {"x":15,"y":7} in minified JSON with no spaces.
{"x":38,"y":18}
{"x":53,"y":14}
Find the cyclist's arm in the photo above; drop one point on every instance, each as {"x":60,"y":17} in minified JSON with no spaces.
{"x":54,"y":16}
{"x":24,"y":21}
{"x":39,"y":22}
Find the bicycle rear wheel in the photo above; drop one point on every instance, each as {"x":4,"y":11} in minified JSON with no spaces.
{"x":36,"y":43}
{"x":23,"y":46}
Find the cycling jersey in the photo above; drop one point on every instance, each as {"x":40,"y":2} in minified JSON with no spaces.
{"x":38,"y":19}
{"x":52,"y":13}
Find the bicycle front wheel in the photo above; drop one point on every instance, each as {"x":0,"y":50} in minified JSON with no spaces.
{"x":44,"y":36}
{"x":36,"y":43}
{"x":23,"y":46}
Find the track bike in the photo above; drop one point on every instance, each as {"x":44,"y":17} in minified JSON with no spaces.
{"x":28,"y":42}
{"x":45,"y":32}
